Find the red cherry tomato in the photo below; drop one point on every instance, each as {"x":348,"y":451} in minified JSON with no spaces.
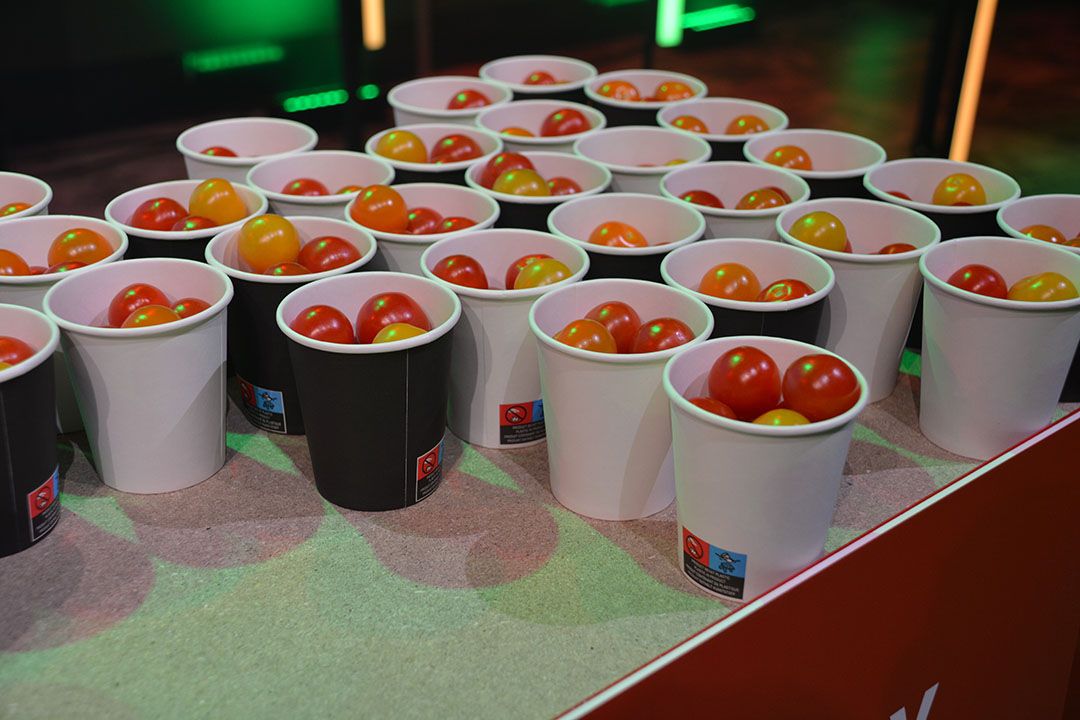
{"x":621,"y":320}
{"x":65,"y":266}
{"x":327,"y":252}
{"x":131,"y":299}
{"x":423,"y":221}
{"x":619,"y":90}
{"x":461,"y":270}
{"x":587,"y":334}
{"x":381,"y":208}
{"x":325,"y":323}
{"x":747,"y":380}
{"x":79,"y":245}
{"x":563,"y":186}
{"x":779,"y":191}
{"x":672,"y":90}
{"x":714,"y":406}
{"x":307,"y":187}
{"x":455,"y":148}
{"x":11,"y":263}
{"x":186,"y":307}
{"x":540,"y":77}
{"x":786,"y":289}
{"x":745,"y":125}
{"x":617,"y":234}
{"x":192,"y":222}
{"x":980,"y":279}
{"x":266,"y":241}
{"x":467,"y":99}
{"x":503,"y":162}
{"x":791,"y":157}
{"x":13,"y":350}
{"x":455,"y":223}
{"x":820,"y":387}
{"x":702,"y":197}
{"x":690,"y":123}
{"x":149,"y":315}
{"x":385,"y":309}
{"x":37,"y":270}
{"x":661,"y":334}
{"x":520,"y":264}
{"x":286,"y":269}
{"x":730,"y":281}
{"x":157,"y":214}
{"x":565,"y":121}
{"x":901,"y":195}
{"x":896,"y":248}
{"x":12,"y":208}
{"x":219,"y":151}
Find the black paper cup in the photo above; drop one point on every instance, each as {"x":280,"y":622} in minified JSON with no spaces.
{"x":571,"y":73}
{"x":258,"y":352}
{"x":840,"y":159}
{"x":637,"y":112}
{"x":716,"y":113}
{"x":430,"y":133}
{"x":375,"y":414}
{"x":29,"y":473}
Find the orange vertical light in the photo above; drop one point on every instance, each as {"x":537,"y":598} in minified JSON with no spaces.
{"x":964,"y":126}
{"x":373,"y":15}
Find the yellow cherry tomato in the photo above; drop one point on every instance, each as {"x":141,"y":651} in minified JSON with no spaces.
{"x":959,"y":189}
{"x":821,"y":229}
{"x":397,"y":331}
{"x":521,"y":182}
{"x":542,"y":271}
{"x":403,"y":146}
{"x":1043,"y":287}
{"x":782,"y":416}
{"x":267,"y":241}
{"x":216,"y":199}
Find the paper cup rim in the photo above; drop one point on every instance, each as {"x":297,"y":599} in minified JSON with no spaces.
{"x":540,"y":199}
{"x":335,"y":199}
{"x":370,"y":348}
{"x":750,"y":428}
{"x":701,"y":88}
{"x":862,"y":170}
{"x":407,"y":239}
{"x":128,"y":333}
{"x":804,"y":191}
{"x":506,"y":294}
{"x":1015,"y":233}
{"x":868,"y":183}
{"x":701,"y":158}
{"x":722,"y":137}
{"x":1021,"y":305}
{"x":41,"y":354}
{"x":537,"y":89}
{"x":181,"y":235}
{"x":541,"y":141}
{"x":444,"y":113}
{"x":37,"y":207}
{"x":313,"y":139}
{"x":431,"y":168}
{"x":648,"y":250}
{"x":746,"y":305}
{"x":46,"y":279}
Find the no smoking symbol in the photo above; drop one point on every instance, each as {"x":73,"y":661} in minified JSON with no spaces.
{"x":516,"y":414}
{"x":428,"y":466}
{"x":693,"y":547}
{"x":42,"y":500}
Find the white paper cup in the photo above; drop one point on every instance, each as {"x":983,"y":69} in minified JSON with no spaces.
{"x":840,"y":159}
{"x":153,"y":398}
{"x":624,"y":150}
{"x":608,"y":424}
{"x":1060,"y":211}
{"x":187,"y":245}
{"x":638,"y":112}
{"x":529,"y":212}
{"x":530,"y":115}
{"x":716,"y":113}
{"x":762,"y":496}
{"x":798,"y":319}
{"x":16,"y":187}
{"x":571,"y":73}
{"x":31,"y":237}
{"x":992,"y":369}
{"x":730,"y":180}
{"x":870,"y":310}
{"x":917,"y":178}
{"x":400,"y":252}
{"x":666,"y":224}
{"x":451,"y":173}
{"x":425,"y":100}
{"x":333,"y":168}
{"x":253,"y":139}
{"x":494,"y":377}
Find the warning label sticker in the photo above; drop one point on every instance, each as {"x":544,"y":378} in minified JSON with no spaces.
{"x":714,"y":568}
{"x":44,"y":506}
{"x":521,"y":422}
{"x":264,"y":408}
{"x":429,"y":471}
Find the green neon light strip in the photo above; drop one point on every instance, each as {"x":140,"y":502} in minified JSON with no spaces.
{"x":327,"y":98}
{"x":209,"y":61}
{"x":721,"y":16}
{"x":669,"y":28}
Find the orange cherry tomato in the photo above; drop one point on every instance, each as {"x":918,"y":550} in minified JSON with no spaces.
{"x":791,"y":157}
{"x":820,"y":386}
{"x":192,"y":222}
{"x":747,"y":380}
{"x":541,"y":272}
{"x":349,"y":189}
{"x":13,"y":350}
{"x":521,"y":182}
{"x":617,"y":234}
{"x":386,"y":309}
{"x":515,"y":130}
{"x":307,"y":187}
{"x":403,"y":146}
{"x":266,"y":241}
{"x":186,"y":307}
{"x":959,"y":189}
{"x":587,"y":334}
{"x":714,"y":406}
{"x":619,"y":90}
{"x":661,"y":334}
{"x":731,"y":281}
{"x":11,"y":263}
{"x":980,"y":279}
{"x":896,"y":249}
{"x":455,"y":223}
{"x":286,"y":269}
{"x":325,"y":323}
{"x":672,"y":90}
{"x":327,"y":252}
{"x":540,"y":77}
{"x":1047,"y":233}
{"x":786,"y":289}
{"x":563,"y":186}
{"x":12,"y":208}
{"x":762,"y":198}
{"x":746,"y":124}
{"x":901,"y":195}
{"x":461,"y":270}
{"x":423,"y":221}
{"x":690,"y":123}
{"x":1043,"y":287}
{"x":821,"y":229}
{"x":65,"y":266}
{"x":502,"y":163}
{"x":621,"y":320}
{"x":157,"y":214}
{"x":702,"y":197}
{"x":397,"y":331}
{"x":780,"y":417}
{"x":467,"y":100}
{"x":216,"y":199}
{"x":518,"y":265}
{"x":381,"y":208}
{"x":455,"y":148}
{"x":79,"y":245}
{"x":565,"y":121}
{"x":219,"y":151}
{"x":133,"y":297}
{"x":149,"y":315}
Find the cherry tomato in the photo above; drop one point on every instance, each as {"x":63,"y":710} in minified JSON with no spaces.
{"x":515,"y":130}
{"x":747,"y":380}
{"x":619,"y":90}
{"x":746,"y":124}
{"x":779,"y":191}
{"x":192,"y":222}
{"x":423,"y":221}
{"x":286,"y":269}
{"x":186,"y":307}
{"x":821,"y":229}
{"x":455,"y":148}
{"x":461,"y":270}
{"x":714,"y":406}
{"x":541,"y":272}
{"x":149,"y":315}
{"x":403,"y":146}
{"x":786,"y":289}
{"x":38,"y":269}
{"x":959,"y":189}
{"x":1047,"y":233}
{"x":11,"y":263}
{"x":518,"y":265}
{"x":565,"y":121}
{"x":381,"y":208}
{"x":455,"y":223}
{"x":587,"y":334}
{"x":702,"y":197}
{"x":621,"y":320}
{"x":762,"y":198}
{"x":521,"y":182}
{"x":386,"y":309}
{"x":1043,"y":287}
{"x":780,"y":417}
{"x":661,"y":334}
{"x":792,"y":157}
{"x":467,"y":99}
{"x":13,"y":350}
{"x":327,"y":252}
{"x":540,"y":77}
{"x":79,"y":245}
{"x":65,"y":266}
{"x":731,"y":281}
{"x":266,"y":241}
{"x":219,"y":151}
{"x":901,"y":195}
{"x":502,"y":163}
{"x":980,"y":279}
{"x":820,"y":386}
{"x":216,"y":199}
{"x":397,"y":331}
{"x":157,"y":214}
{"x":307,"y":187}
{"x":1075,"y":242}
{"x":617,"y":234}
{"x":12,"y":208}
{"x":349,"y":189}
{"x":896,"y":249}
{"x":563,"y":186}
{"x":325,"y":323}
{"x":672,"y":90}
{"x":132,"y":298}
{"x":690,"y":123}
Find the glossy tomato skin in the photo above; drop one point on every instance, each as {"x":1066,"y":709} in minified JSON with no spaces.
{"x":522,"y":182}
{"x":619,"y":90}
{"x":423,"y":221}
{"x":219,"y":151}
{"x":65,"y":266}
{"x":79,"y":245}
{"x":403,"y":146}
{"x":541,"y":272}
{"x":563,"y":186}
{"x":586,"y":334}
{"x":617,"y":234}
{"x":761,"y":199}
{"x":781,"y":417}
{"x":621,"y":320}
{"x":661,"y":334}
{"x":702,"y":197}
{"x":821,"y":229}
{"x":731,"y":281}
{"x":327,"y":252}
{"x":959,"y":190}
{"x":385,"y":309}
{"x":216,"y":199}
{"x":468,"y":99}
{"x":12,"y":208}
{"x":820,"y":387}
{"x":397,"y":331}
{"x":455,"y":148}
{"x":325,"y":323}
{"x":672,"y":90}
{"x":791,"y":157}
{"x":157,"y":214}
{"x":896,"y":249}
{"x":186,"y":307}
{"x":747,"y":380}
{"x":149,"y":315}
{"x":381,"y":208}
{"x":714,"y":406}
{"x":305,"y":187}
{"x":192,"y":222}
{"x":691,"y":123}
{"x":455,"y":223}
{"x":745,"y":125}
{"x":980,"y":279}
{"x":12,"y":263}
{"x":786,"y":289}
{"x":287,"y":269}
{"x":266,"y":241}
{"x":540,"y":77}
{"x":1043,"y":287}
{"x":565,"y":121}
{"x":13,"y":350}
{"x":518,"y":265}
{"x":132,"y":298}
{"x":515,"y":130}
{"x":501,"y":163}
{"x":461,"y":270}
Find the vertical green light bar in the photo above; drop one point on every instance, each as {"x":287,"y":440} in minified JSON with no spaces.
{"x":669,"y":26}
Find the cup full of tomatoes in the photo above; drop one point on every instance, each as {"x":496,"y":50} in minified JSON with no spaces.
{"x":371,"y":355}
{"x":726,"y":123}
{"x":633,"y":97}
{"x":603,"y":345}
{"x":452,"y":99}
{"x":320,"y":182}
{"x":535,"y":77}
{"x":639,"y":156}
{"x":1001,"y":324}
{"x":268,"y":257}
{"x":874,"y":249}
{"x":23,"y":196}
{"x":495,"y":396}
{"x":761,"y":430}
{"x":29,"y":473}
{"x":145,"y":345}
{"x":229,"y":148}
{"x":551,"y":125}
{"x":36,"y":252}
{"x":433,"y":152}
{"x":833,"y":163}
